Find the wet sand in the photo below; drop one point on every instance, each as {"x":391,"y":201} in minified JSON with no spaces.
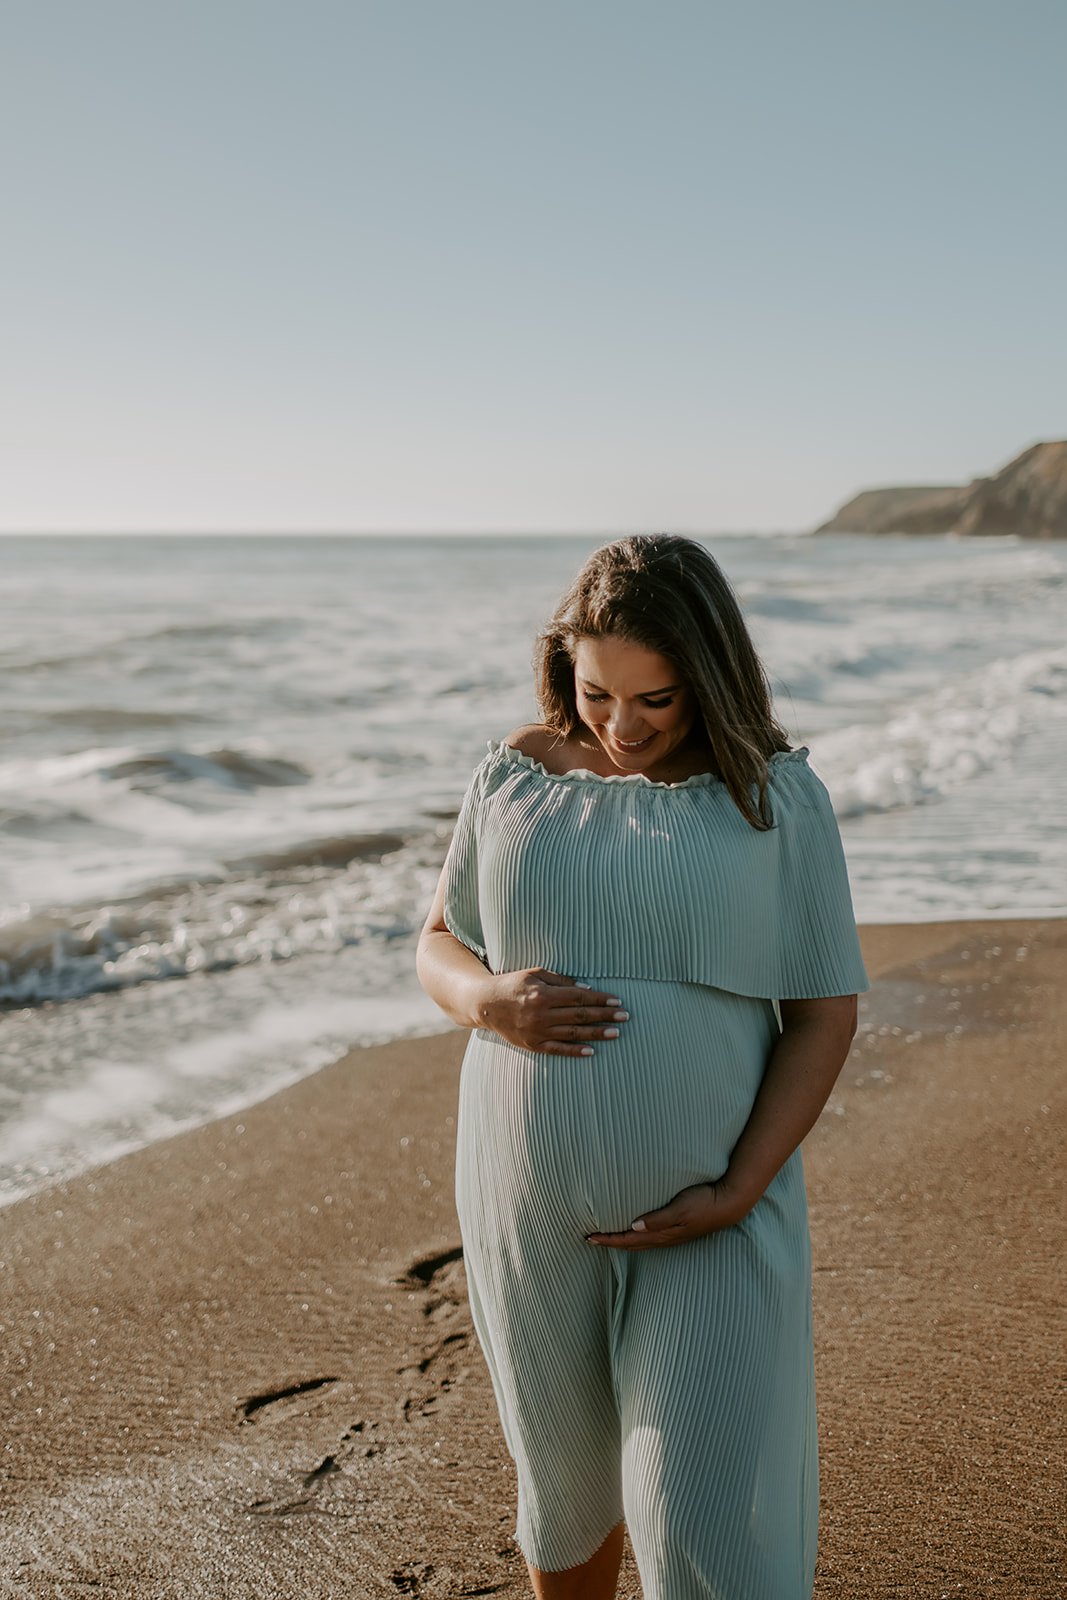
{"x":239,"y":1363}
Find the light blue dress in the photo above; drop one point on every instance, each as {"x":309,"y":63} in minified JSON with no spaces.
{"x":671,"y":1386}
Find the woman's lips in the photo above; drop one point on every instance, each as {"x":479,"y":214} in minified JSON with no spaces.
{"x":632,"y":749}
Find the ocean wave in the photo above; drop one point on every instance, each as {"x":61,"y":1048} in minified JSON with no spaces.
{"x":338,"y":851}
{"x":225,"y":767}
{"x":230,"y":769}
{"x":931,"y":745}
{"x":104,"y":720}
{"x":201,"y":634}
{"x":317,"y":896}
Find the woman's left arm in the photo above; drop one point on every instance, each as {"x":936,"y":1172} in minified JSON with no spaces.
{"x":801,"y":1070}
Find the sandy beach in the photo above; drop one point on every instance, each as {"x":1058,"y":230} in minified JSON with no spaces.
{"x":239,"y":1363}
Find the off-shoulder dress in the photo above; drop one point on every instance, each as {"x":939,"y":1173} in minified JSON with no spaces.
{"x":673,"y":1387}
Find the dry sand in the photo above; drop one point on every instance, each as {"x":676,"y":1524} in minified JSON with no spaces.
{"x":239,"y":1363}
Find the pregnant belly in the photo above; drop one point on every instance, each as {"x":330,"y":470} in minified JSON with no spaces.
{"x":591,"y":1142}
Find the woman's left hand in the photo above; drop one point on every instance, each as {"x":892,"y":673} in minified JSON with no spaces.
{"x":702,"y":1208}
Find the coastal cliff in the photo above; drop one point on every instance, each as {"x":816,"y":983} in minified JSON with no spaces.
{"x":1028,"y":497}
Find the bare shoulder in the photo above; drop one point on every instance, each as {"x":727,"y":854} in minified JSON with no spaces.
{"x":554,"y":752}
{"x":532,"y":739}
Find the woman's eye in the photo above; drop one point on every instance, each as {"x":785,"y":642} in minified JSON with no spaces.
{"x":653,"y":705}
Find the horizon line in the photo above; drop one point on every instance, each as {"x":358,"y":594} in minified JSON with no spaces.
{"x":393,"y":533}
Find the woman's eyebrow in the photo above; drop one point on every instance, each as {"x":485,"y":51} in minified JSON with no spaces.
{"x":649,"y":693}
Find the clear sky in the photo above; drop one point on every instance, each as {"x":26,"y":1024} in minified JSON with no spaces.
{"x":601,"y":266}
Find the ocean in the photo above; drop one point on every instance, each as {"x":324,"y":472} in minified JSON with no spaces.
{"x":230,"y":768}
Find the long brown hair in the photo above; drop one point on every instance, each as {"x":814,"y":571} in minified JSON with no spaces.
{"x":670,"y":595}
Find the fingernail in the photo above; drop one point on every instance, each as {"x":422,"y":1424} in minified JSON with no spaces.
{"x":613,"y":999}
{"x":638,"y":1226}
{"x":583,"y":985}
{"x":611,"y":1033}
{"x":622,"y":1016}
{"x":587,"y":1050}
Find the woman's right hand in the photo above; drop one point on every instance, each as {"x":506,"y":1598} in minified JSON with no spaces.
{"x":544,"y":1011}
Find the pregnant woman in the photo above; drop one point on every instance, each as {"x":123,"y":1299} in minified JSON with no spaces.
{"x":645,"y":919}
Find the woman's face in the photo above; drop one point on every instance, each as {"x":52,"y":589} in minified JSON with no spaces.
{"x":632,"y":700}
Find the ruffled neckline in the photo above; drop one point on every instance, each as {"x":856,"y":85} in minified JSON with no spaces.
{"x":696,"y":780}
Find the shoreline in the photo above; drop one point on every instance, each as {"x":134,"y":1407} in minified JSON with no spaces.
{"x":239,"y":1359}
{"x":241,"y":1100}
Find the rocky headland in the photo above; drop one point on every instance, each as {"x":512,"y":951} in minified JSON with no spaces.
{"x":1028,"y":497}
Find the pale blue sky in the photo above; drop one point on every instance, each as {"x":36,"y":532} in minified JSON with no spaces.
{"x":596,"y":266}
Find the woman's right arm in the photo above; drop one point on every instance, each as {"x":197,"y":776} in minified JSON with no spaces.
{"x":534,"y":1008}
{"x":452,"y":976}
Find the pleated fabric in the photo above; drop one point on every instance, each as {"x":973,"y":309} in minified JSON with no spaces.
{"x":674,"y":1386}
